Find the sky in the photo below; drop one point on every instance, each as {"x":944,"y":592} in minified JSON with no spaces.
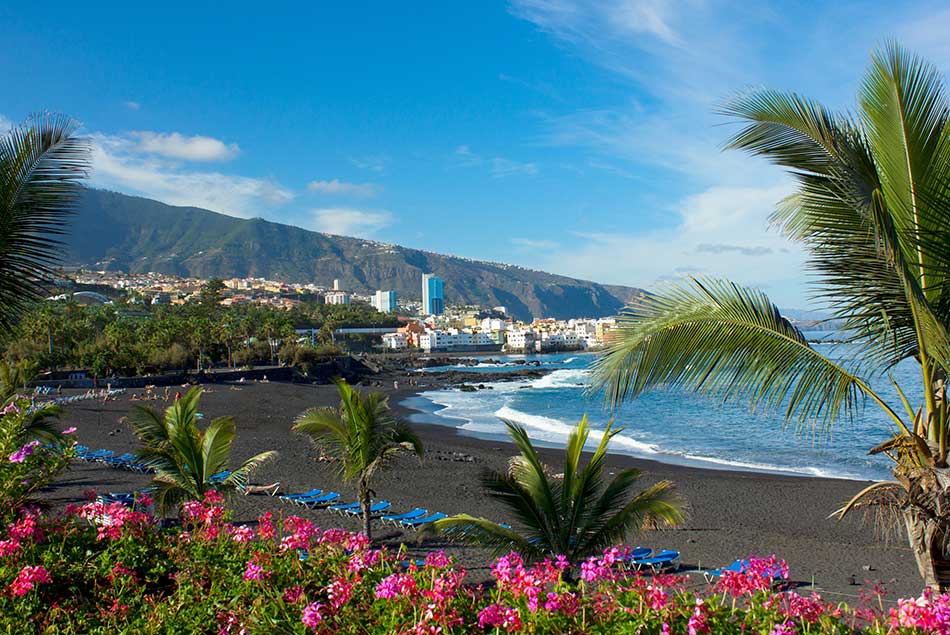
{"x":576,"y":137}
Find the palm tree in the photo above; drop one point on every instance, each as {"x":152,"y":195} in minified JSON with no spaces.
{"x":573,"y":514}
{"x":873,"y":211}
{"x":41,"y":165}
{"x":362,"y":435}
{"x":185,"y":457}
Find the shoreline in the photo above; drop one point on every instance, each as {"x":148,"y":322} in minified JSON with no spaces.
{"x":732,"y":514}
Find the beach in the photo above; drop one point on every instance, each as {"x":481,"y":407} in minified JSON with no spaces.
{"x":731,"y":514}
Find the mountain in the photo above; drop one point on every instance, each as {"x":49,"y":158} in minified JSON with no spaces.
{"x":127,"y":233}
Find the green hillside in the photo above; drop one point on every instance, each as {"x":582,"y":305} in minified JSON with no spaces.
{"x":127,"y":233}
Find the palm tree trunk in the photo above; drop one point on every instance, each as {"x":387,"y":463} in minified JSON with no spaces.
{"x":364,"y":496}
{"x":927,"y":529}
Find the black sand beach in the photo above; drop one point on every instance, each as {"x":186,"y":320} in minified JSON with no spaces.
{"x":731,"y":515}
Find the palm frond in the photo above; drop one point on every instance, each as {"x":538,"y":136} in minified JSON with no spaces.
{"x":717,"y":338}
{"x":42,"y":164}
{"x":499,"y":540}
{"x":239,"y":477}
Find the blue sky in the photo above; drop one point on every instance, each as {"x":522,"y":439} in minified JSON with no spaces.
{"x":574,"y":137}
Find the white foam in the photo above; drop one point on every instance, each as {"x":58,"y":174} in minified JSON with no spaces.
{"x":553,"y":430}
{"x":566,"y":378}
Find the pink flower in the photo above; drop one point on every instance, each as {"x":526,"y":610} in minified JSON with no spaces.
{"x":28,"y":578}
{"x":311,"y":617}
{"x":697,"y":622}
{"x":254,"y":571}
{"x":20,"y":455}
{"x":242,"y":534}
{"x":265,"y":527}
{"x":500,"y":617}
{"x":438,"y":560}
{"x":339,"y":592}
{"x":69,"y":430}
{"x":10,"y":408}
{"x":9,"y":547}
{"x":396,"y":586}
{"x":784,"y":628}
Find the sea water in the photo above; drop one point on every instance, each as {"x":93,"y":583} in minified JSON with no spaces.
{"x":668,"y":426}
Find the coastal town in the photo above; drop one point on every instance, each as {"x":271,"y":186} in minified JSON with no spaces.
{"x":427,"y":325}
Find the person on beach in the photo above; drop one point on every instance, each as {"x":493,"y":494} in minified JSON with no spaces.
{"x":395,"y":385}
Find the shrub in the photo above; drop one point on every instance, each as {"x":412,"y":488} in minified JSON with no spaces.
{"x":31,"y":455}
{"x":105,"y":568}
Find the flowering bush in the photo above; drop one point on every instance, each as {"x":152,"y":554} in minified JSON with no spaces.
{"x":27,"y":465}
{"x":104,"y":568}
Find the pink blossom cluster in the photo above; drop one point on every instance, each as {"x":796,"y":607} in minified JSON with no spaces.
{"x":698,"y":622}
{"x":927,"y":613}
{"x":293,"y":594}
{"x":532,"y":582}
{"x":20,"y":455}
{"x":602,"y":568}
{"x":794,"y":606}
{"x":114,"y":519}
{"x":241,"y":534}
{"x":207,"y":517}
{"x":300,"y":532}
{"x":499,"y":616}
{"x":339,"y":592}
{"x":28,"y":578}
{"x":756,"y":574}
{"x":312,"y":615}
{"x":360,"y":560}
{"x":395,"y":586}
{"x":11,"y":408}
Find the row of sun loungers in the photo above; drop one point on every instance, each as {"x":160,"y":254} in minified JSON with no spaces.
{"x":126,"y":461}
{"x":317,"y":498}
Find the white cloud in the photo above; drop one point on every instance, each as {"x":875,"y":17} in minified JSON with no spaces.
{"x":530,"y":243}
{"x":5,"y":124}
{"x":347,"y":221}
{"x":132,"y":105}
{"x":498,"y":167}
{"x":341,"y":187}
{"x":118,"y":165}
{"x":177,"y":146}
{"x":373,"y":164}
{"x":722,"y":231}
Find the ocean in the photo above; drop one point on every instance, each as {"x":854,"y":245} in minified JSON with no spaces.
{"x":667,"y":426}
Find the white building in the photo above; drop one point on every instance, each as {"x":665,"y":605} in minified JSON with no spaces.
{"x":395,"y":341}
{"x":385,"y":301}
{"x":519,"y":340}
{"x":337,"y":297}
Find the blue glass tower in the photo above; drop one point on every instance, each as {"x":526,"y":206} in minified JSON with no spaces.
{"x":432,"y":302}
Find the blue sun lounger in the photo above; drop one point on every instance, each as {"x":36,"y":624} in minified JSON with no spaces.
{"x":343,"y":507}
{"x":119,"y":461}
{"x":219,"y":478}
{"x":418,"y":522}
{"x":665,"y":559}
{"x":375,"y":508}
{"x":290,"y":498}
{"x":319,"y":501}
{"x":637,"y":553}
{"x":95,"y":455}
{"x":395,"y":519}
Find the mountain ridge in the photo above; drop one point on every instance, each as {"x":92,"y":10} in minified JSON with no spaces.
{"x":135,"y":234}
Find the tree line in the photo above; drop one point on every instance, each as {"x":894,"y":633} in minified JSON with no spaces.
{"x":128,"y":338}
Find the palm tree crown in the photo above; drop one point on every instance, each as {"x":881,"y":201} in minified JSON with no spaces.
{"x":184,"y":456}
{"x":573,"y":515}
{"x":42,"y":163}
{"x":362,"y":435}
{"x":873,"y":212}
